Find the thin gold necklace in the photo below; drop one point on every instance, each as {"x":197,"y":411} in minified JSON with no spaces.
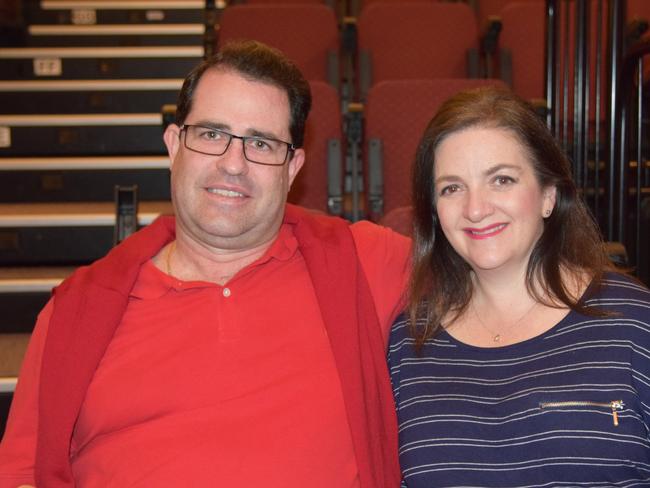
{"x":497,"y":336}
{"x":168,"y":257}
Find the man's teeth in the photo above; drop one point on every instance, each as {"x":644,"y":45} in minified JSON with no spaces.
{"x":225,"y":193}
{"x":488,"y":231}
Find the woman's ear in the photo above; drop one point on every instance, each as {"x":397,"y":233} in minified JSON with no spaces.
{"x":549,"y":195}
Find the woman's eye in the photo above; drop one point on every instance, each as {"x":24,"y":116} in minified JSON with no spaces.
{"x":503,"y":180}
{"x":449,"y":189}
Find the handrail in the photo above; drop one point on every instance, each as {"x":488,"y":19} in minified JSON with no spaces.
{"x":630,"y":95}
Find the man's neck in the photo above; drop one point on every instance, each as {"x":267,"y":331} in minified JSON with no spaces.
{"x":188,"y":260}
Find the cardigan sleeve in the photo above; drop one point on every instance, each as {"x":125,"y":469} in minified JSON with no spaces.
{"x":385,"y":259}
{"x":18,"y":446}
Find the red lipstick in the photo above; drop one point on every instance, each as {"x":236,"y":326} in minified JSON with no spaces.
{"x":485,"y":232}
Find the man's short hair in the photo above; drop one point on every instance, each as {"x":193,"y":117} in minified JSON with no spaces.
{"x":258,"y":62}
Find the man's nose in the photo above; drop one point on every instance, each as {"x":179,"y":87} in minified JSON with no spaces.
{"x":233,"y":161}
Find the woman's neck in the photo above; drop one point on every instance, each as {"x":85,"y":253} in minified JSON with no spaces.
{"x":502,"y":311}
{"x":500,"y":292}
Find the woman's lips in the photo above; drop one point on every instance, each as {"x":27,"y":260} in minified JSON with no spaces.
{"x":485,"y":232}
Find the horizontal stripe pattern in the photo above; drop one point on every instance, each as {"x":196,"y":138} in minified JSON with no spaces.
{"x":535,"y":414}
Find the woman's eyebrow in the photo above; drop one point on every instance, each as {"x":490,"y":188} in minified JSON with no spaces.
{"x":498,"y":167}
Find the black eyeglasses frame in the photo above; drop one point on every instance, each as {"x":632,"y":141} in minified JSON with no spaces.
{"x":290,"y":146}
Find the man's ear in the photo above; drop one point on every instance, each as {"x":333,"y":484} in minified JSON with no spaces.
{"x":171,"y":136}
{"x":294,"y":164}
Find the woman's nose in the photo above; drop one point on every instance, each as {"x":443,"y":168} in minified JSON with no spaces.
{"x":478,"y":205}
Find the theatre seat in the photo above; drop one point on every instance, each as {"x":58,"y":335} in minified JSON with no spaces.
{"x":396,"y":114}
{"x":308,"y":34}
{"x":319,"y":185}
{"x":416,"y":40}
{"x":488,"y":8}
{"x":399,"y":219}
{"x":522,"y":48}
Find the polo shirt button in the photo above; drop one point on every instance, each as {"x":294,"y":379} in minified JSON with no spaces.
{"x":226,"y":292}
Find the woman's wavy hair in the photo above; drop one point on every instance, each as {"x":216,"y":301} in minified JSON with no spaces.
{"x":441,"y":279}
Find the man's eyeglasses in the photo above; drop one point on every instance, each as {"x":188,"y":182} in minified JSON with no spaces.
{"x":215,"y":142}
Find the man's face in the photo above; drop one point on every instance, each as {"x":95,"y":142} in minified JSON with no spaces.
{"x":227,"y":202}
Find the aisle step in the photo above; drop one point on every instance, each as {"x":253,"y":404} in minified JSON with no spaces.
{"x":79,"y":179}
{"x":62,"y":234}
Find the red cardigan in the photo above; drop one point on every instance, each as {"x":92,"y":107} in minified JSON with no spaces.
{"x":88,"y":307}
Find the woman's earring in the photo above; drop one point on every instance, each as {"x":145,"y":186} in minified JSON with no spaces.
{"x":547,"y":213}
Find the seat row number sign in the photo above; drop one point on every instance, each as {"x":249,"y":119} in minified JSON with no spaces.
{"x":47,"y":67}
{"x":83,"y":17}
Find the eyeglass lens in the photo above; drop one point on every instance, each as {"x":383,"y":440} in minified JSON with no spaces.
{"x":208,"y":140}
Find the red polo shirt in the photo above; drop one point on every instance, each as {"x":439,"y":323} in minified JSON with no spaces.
{"x":215,"y":385}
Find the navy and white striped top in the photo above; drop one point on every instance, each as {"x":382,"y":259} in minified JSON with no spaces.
{"x":569,"y":408}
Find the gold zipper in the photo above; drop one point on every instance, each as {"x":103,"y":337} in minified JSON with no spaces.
{"x":615,"y":405}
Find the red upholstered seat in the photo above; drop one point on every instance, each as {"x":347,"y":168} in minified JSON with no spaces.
{"x":274,"y":2}
{"x":522,"y":47}
{"x":415,"y":40}
{"x":397,"y":112}
{"x":399,"y":219}
{"x":308,"y":34}
{"x":323,"y":147}
{"x":487,"y":8}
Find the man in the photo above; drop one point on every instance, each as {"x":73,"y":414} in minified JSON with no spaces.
{"x":241,"y":343}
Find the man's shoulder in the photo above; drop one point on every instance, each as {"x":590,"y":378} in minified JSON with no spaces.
{"x":121,"y":261}
{"x":369,"y":233}
{"x":367,"y":236}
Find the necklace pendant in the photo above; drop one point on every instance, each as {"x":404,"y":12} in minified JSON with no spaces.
{"x":497,"y":338}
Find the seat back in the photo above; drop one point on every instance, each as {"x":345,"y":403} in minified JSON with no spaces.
{"x":319,"y":184}
{"x":275,"y":2}
{"x":397,"y":112}
{"x":364,"y":3}
{"x":307,"y":34}
{"x":488,"y":8}
{"x":522,"y":47}
{"x":415,"y":40}
{"x":639,"y":10}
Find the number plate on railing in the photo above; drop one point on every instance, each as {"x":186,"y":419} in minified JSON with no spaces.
{"x":83,"y":17}
{"x":47,"y":67}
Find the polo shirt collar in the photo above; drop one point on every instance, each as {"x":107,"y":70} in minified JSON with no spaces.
{"x":153,"y":283}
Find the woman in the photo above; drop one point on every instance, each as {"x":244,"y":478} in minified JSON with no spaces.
{"x":523,"y":360}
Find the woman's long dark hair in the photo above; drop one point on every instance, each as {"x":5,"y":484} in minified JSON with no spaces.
{"x":441,"y":279}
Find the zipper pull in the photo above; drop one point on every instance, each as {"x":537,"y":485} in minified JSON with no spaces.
{"x":616,"y":405}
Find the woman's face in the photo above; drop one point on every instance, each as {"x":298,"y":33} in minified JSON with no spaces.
{"x":489,"y":202}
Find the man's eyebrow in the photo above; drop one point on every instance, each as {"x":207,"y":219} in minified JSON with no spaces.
{"x":212,"y":125}
{"x":261,"y":133}
{"x":225,"y":127}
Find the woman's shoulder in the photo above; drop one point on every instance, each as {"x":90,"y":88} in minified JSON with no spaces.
{"x":621,"y":286}
{"x":621,"y":296}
